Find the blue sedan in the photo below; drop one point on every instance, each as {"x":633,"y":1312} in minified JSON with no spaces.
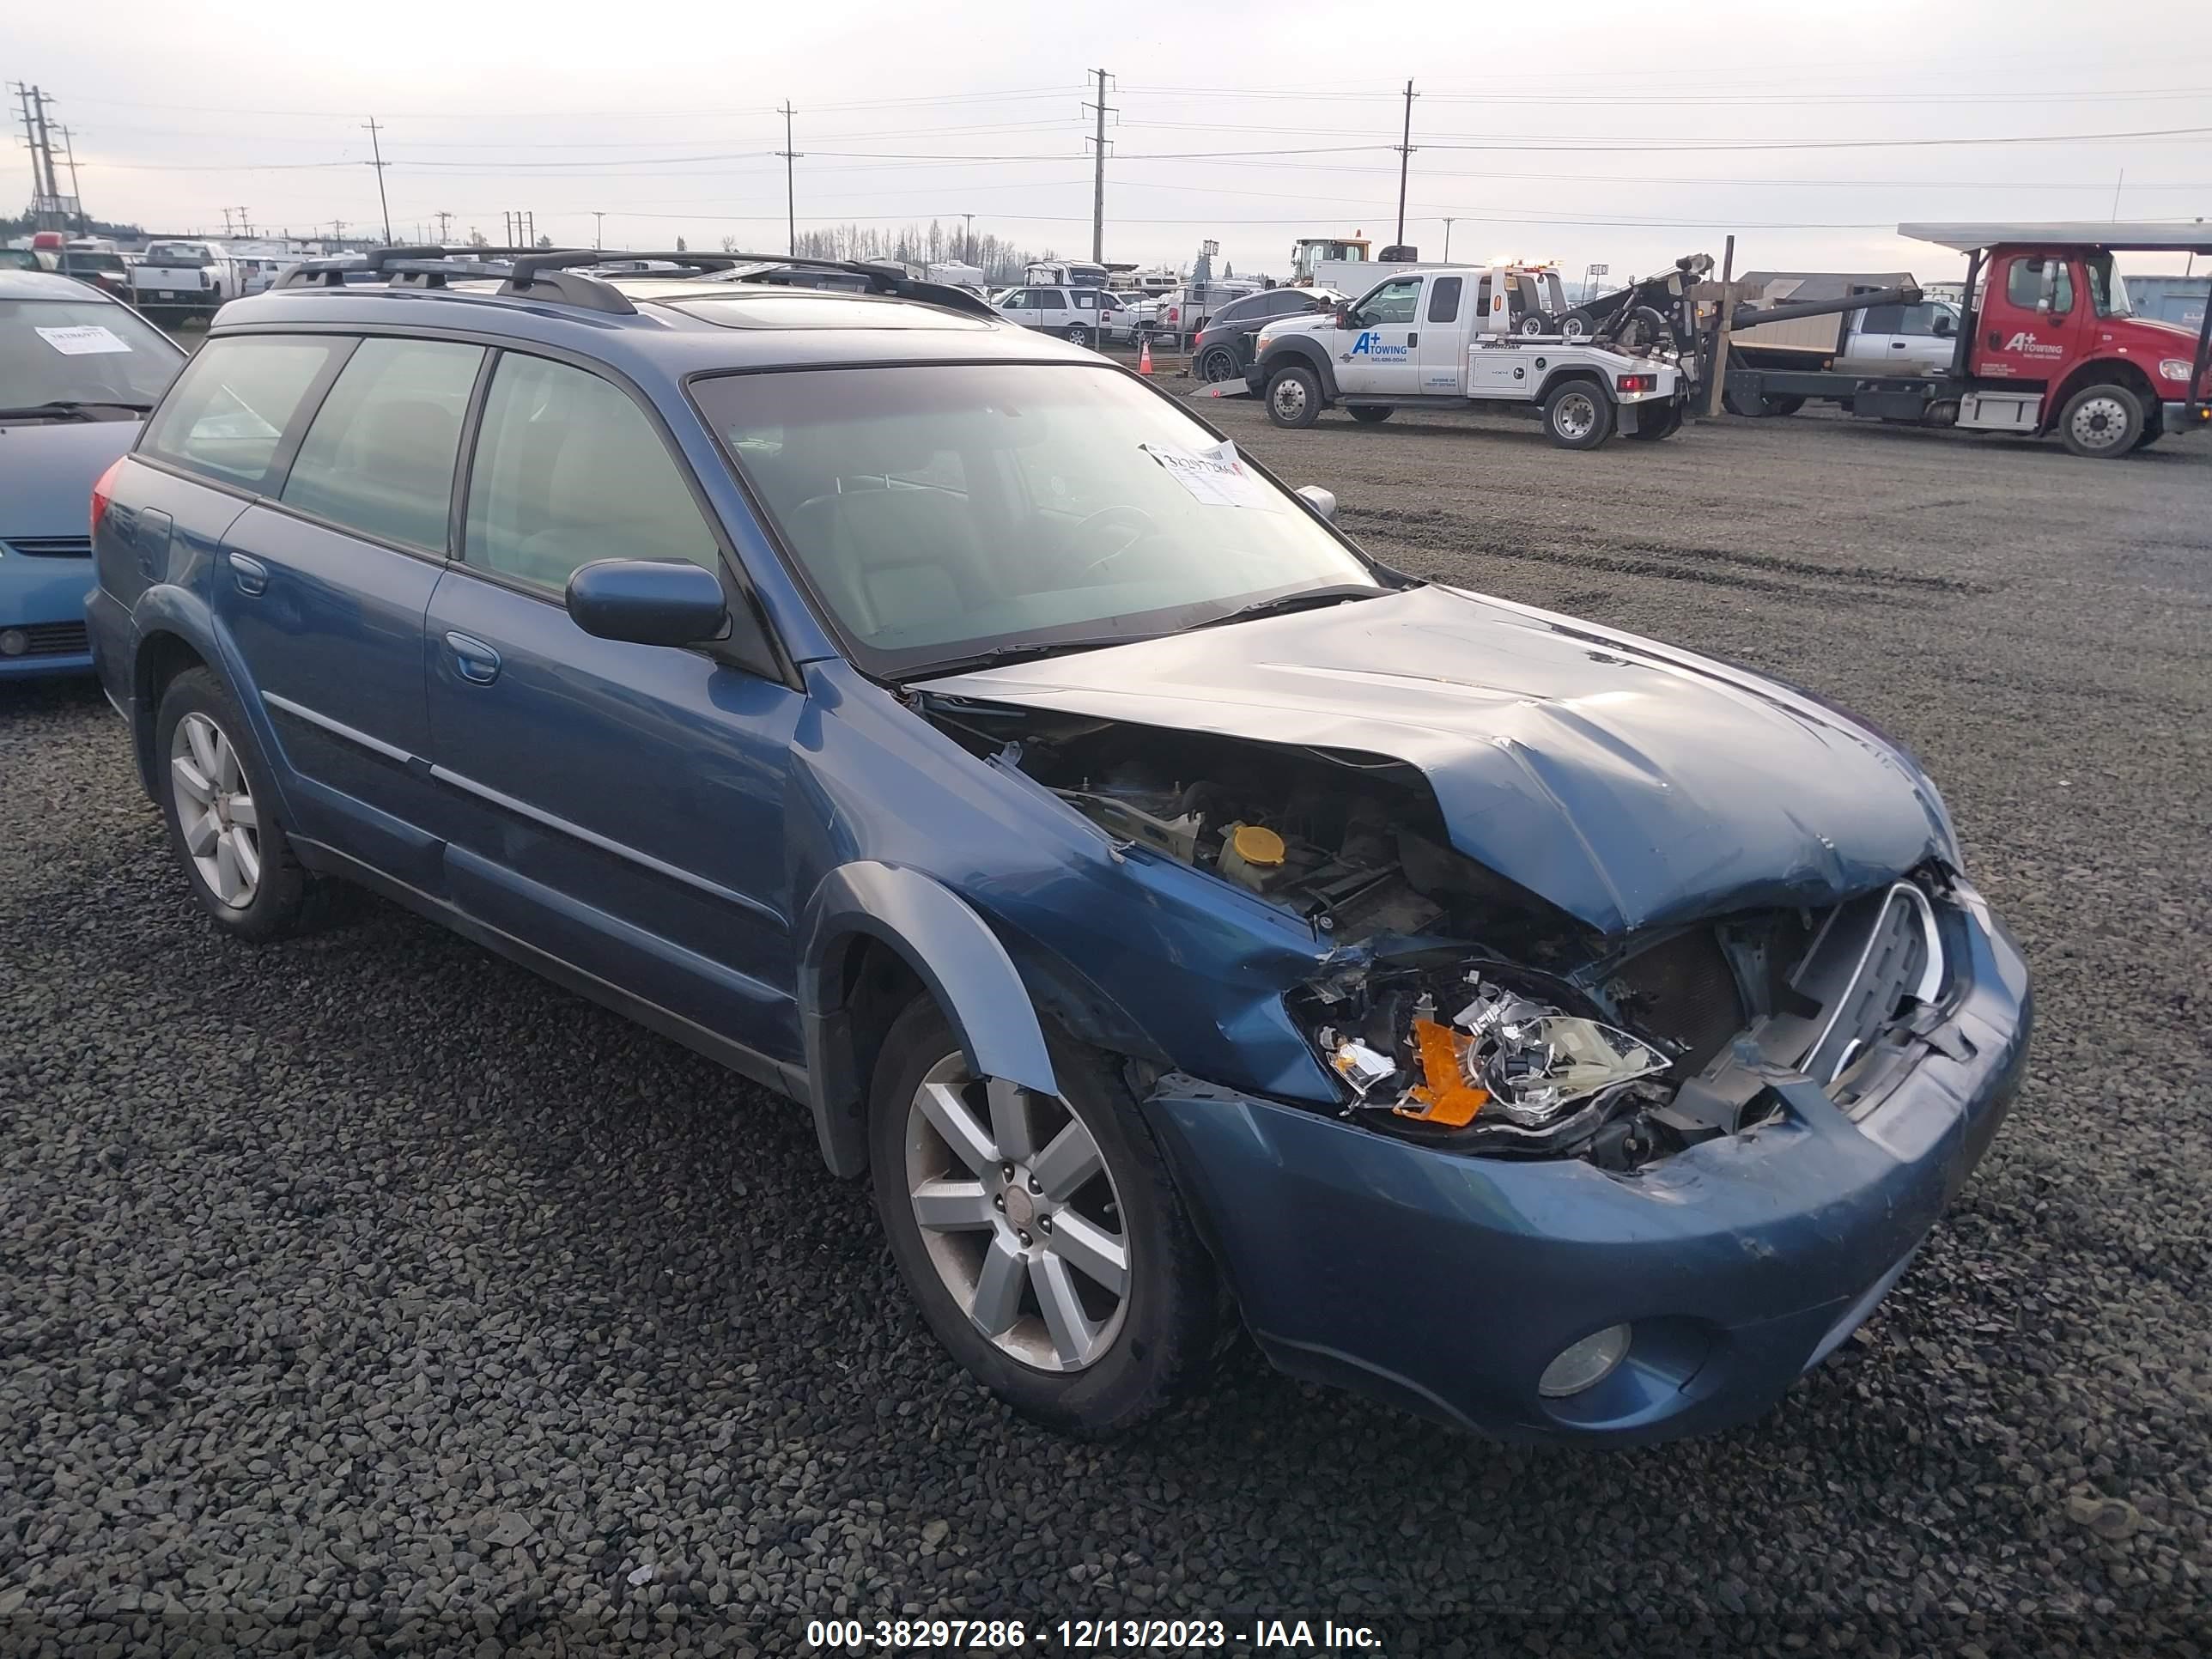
{"x":78,"y":371}
{"x":1178,"y":915}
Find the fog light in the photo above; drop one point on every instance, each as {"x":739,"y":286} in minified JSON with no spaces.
{"x":13,"y":641}
{"x":1584,"y":1364}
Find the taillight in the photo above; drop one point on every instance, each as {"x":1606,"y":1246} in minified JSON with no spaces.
{"x":1637,"y":382}
{"x":104,"y":491}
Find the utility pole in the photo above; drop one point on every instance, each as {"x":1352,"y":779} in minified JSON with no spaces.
{"x":31,"y":137}
{"x":599,"y":229}
{"x":1404,"y":155}
{"x":1447,"y":224}
{"x":445,"y":221}
{"x":968,"y":242}
{"x":377,"y":149}
{"x":1099,"y":178}
{"x":68,"y":149}
{"x":790,"y":198}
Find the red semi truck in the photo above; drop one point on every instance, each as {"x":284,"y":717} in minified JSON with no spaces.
{"x":2046,"y":345}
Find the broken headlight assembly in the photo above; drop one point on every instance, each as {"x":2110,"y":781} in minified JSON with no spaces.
{"x":1509,"y":1068}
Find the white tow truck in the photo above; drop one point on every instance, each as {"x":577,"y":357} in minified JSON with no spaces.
{"x":1446,"y":337}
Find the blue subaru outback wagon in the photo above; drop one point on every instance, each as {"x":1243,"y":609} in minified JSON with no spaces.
{"x":1179,"y":916}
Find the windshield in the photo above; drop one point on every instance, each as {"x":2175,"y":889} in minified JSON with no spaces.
{"x":943,"y":511}
{"x":2108,"y":289}
{"x":86,"y":352}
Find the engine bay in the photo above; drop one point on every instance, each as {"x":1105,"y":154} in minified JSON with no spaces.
{"x":1454,"y":1006}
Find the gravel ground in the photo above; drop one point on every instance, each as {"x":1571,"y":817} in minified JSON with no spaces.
{"x":365,"y":1294}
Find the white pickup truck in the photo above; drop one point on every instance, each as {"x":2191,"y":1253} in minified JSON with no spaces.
{"x":1444,"y":338}
{"x":185,"y":279}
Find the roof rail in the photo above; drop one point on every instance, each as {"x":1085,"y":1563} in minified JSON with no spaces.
{"x":563,"y":275}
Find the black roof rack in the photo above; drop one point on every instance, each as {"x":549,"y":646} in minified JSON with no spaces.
{"x":564,"y":277}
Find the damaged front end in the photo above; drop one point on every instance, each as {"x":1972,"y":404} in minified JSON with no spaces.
{"x":1456,"y":1008}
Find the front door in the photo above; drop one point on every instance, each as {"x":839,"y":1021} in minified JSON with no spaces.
{"x":1376,"y":356}
{"x":619,"y":806}
{"x":2017,"y":338}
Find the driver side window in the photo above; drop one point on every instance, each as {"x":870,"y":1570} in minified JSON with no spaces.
{"x":2024,"y":286}
{"x":1394,"y":302}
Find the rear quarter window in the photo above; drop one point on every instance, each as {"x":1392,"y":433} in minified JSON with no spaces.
{"x":227,"y":415}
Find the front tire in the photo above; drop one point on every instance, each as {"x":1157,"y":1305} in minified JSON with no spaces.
{"x":1370,"y":416}
{"x":1293,"y":398}
{"x":221,"y":810}
{"x":1578,"y":415}
{"x":1043,"y":1237}
{"x":2102,"y":422}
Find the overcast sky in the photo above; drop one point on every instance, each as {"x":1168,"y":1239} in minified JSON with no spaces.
{"x":1250,"y":123}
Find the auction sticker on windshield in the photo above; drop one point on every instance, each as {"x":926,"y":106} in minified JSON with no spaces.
{"x":1215,"y":477}
{"x":86,"y":340}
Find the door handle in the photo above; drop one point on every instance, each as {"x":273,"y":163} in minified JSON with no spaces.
{"x":1897,"y":345}
{"x":250,"y":574}
{"x":473,"y":661}
{"x":1996,"y":339}
{"x":1412,"y":340}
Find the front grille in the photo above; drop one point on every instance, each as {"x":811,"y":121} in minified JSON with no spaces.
{"x":1874,"y":954}
{"x":54,"y":639}
{"x":51,"y":547}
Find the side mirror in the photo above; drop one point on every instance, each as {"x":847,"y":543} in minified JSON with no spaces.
{"x":1343,"y":317}
{"x":1323,"y":501}
{"x":1944,"y":329}
{"x":647,"y":602}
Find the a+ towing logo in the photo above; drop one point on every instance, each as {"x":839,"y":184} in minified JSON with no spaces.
{"x":1370,"y":344}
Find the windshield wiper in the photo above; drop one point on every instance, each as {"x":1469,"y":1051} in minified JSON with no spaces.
{"x":1335,"y":593}
{"x":70,"y":408}
{"x":1000,"y":655}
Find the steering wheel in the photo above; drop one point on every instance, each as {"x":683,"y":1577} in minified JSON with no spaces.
{"x":1139,"y":523}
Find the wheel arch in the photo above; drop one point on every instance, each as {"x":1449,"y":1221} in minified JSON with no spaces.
{"x":1567,"y":372}
{"x":1303,"y":352}
{"x":2101,"y":371}
{"x":864,"y":917}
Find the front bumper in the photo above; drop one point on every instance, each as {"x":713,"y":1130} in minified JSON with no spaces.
{"x":2186,"y":417}
{"x":1446,"y":1283}
{"x":42,"y":600}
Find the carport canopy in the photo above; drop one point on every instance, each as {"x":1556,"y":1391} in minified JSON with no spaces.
{"x":2139,"y":237}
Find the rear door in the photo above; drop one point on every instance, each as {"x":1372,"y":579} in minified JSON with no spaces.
{"x":1441,"y":356}
{"x":324,"y":581}
{"x":619,"y":806}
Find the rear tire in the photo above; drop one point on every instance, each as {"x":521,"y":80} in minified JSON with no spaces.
{"x":1370,"y":416}
{"x":1578,"y":415}
{"x":1219,"y":363}
{"x":1077,"y":334}
{"x":2102,"y":422}
{"x":221,"y":809}
{"x":1293,"y":398}
{"x":1135,"y":1350}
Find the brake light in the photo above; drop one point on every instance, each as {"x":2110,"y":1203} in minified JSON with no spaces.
{"x":1637,"y":382}
{"x":104,"y":491}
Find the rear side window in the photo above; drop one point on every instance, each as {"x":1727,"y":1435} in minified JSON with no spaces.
{"x":379,"y":456}
{"x":227,"y":416}
{"x":1444,"y":299}
{"x":1882,"y":320}
{"x":567,"y":469}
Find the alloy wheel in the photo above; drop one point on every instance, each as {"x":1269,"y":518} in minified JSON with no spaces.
{"x":1289,"y":396}
{"x":1019,"y":1215}
{"x":216,"y":810}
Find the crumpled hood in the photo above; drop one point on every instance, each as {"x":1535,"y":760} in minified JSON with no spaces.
{"x":47,"y":472}
{"x":1628,"y":783}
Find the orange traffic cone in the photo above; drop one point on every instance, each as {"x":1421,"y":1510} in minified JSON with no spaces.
{"x":1145,"y":357}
